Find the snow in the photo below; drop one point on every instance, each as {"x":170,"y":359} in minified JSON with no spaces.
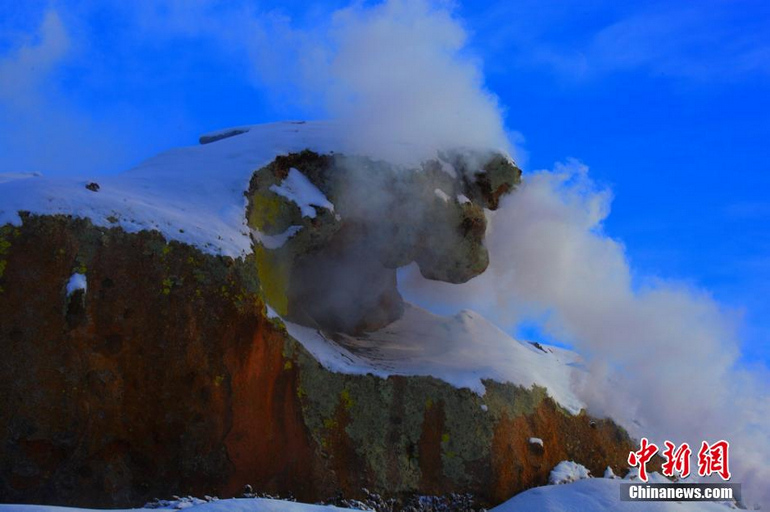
{"x":462,"y":350}
{"x":595,"y":495}
{"x":271,"y":312}
{"x":535,"y":440}
{"x":567,"y":471}
{"x":297,"y":188}
{"x":441,"y":195}
{"x":76,"y":282}
{"x":191,"y":194}
{"x":653,"y":477}
{"x":229,"y":505}
{"x":275,"y":241}
{"x":462,"y":199}
{"x":484,"y":407}
{"x":609,"y":473}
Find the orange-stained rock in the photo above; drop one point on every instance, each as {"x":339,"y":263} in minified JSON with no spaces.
{"x":519,"y":464}
{"x":431,"y":478}
{"x":165,"y":377}
{"x":268,"y":443}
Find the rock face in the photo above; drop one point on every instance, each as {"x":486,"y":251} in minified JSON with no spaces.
{"x":165,"y":376}
{"x":336,"y":268}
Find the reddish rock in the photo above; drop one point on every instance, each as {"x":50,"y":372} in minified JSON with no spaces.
{"x":165,"y":377}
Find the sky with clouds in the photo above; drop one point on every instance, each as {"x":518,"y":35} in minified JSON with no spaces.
{"x":666,"y":102}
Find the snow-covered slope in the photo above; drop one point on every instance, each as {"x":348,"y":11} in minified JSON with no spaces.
{"x":461,"y":350}
{"x":595,"y":495}
{"x":192,"y":194}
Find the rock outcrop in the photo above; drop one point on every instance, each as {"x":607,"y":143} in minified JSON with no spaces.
{"x":336,"y":268}
{"x":166,"y":377}
{"x":135,"y":368}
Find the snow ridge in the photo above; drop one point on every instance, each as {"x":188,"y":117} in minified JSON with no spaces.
{"x":462,"y":350}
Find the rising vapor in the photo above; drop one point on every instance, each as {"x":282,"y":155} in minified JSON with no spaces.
{"x":662,"y":358}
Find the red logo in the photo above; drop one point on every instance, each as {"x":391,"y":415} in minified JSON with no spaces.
{"x":676,"y":460}
{"x":711,"y":459}
{"x":641,"y":457}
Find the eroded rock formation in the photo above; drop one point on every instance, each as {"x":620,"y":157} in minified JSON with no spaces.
{"x":165,"y":376}
{"x":335,"y":268}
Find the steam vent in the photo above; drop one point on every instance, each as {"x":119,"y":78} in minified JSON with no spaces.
{"x":229,"y":314}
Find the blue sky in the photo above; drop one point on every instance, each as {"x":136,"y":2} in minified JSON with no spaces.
{"x":668,"y":103}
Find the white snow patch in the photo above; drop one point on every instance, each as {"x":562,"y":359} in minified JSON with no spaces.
{"x":567,"y":471}
{"x":441,"y":195}
{"x":484,"y":407}
{"x":462,"y":350}
{"x":228,"y":505}
{"x":275,"y":241}
{"x":297,"y":188}
{"x":271,"y":313}
{"x":76,"y":282}
{"x":609,"y":473}
{"x":535,"y":440}
{"x":652,"y":477}
{"x":462,"y":199}
{"x":596,"y":495}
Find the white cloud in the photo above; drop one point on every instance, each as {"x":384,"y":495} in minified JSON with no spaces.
{"x":23,"y":72}
{"x":39,"y":130}
{"x":712,"y":40}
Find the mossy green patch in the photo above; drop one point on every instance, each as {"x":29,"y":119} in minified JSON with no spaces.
{"x":386,"y":418}
{"x":270,"y":213}
{"x":273,"y":272}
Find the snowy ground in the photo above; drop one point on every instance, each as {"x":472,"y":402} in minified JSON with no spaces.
{"x":192,"y":194}
{"x":586,"y":495}
{"x":461,"y":350}
{"x":596,"y":495}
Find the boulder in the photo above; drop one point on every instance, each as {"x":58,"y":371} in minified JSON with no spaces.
{"x":166,"y":375}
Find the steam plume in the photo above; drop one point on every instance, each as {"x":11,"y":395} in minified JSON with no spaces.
{"x":397,"y":70}
{"x":662,"y":358}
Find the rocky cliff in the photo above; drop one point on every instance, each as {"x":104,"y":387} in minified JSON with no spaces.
{"x":164,"y":372}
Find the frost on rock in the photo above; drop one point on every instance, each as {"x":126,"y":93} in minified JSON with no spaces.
{"x":568,"y":471}
{"x":77,"y":282}
{"x":535,"y":440}
{"x":297,"y":188}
